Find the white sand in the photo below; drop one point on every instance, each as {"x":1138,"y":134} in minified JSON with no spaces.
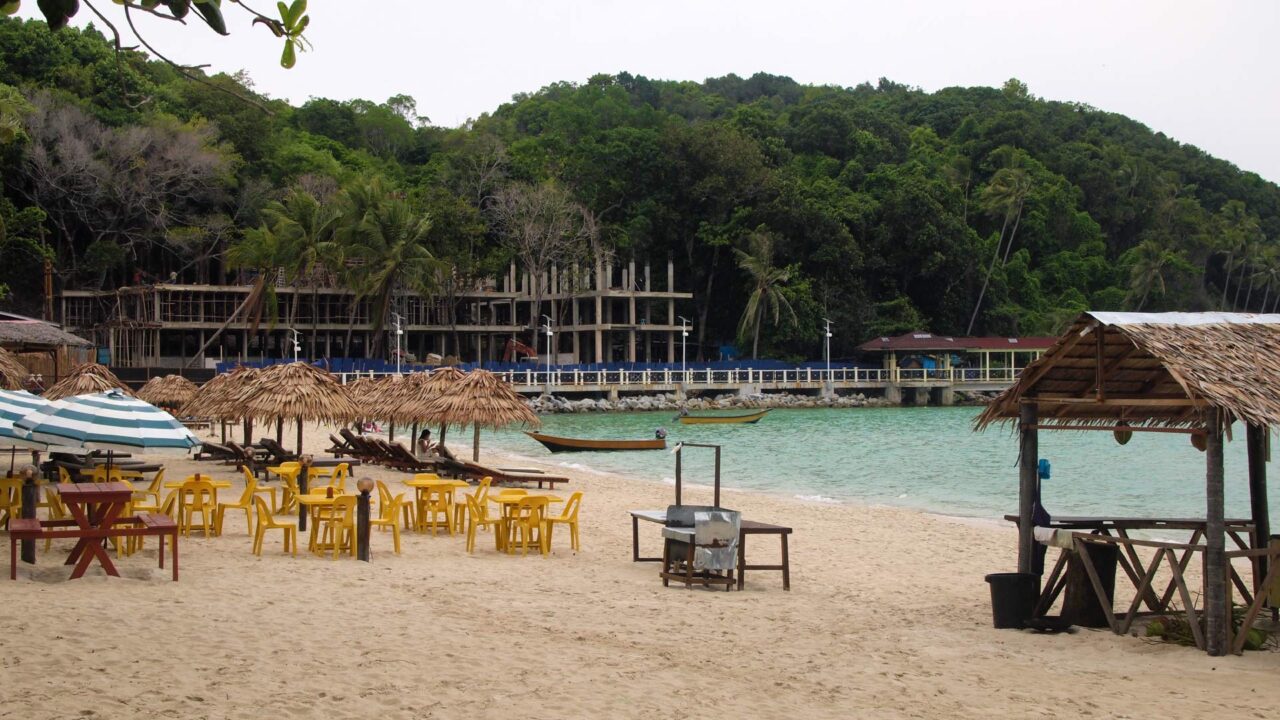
{"x":888,"y":617}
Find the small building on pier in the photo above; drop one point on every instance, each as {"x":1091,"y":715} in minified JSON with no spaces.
{"x":998,"y":358}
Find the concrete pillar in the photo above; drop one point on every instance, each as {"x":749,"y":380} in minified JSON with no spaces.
{"x":946,"y":396}
{"x":893,"y":394}
{"x":613,"y":394}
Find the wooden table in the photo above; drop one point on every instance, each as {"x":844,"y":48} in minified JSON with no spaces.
{"x":748,"y":527}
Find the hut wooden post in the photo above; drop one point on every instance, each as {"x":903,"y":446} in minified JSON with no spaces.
{"x":299,"y":448}
{"x":1215,"y":589}
{"x":1029,"y":455}
{"x":1256,"y":437}
{"x":248,"y":431}
{"x":280,"y":432}
{"x":475,"y":443}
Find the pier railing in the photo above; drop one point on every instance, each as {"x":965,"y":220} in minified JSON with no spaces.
{"x":795,"y":377}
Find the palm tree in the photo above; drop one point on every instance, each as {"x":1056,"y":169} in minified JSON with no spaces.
{"x":1149,"y":262}
{"x":1007,"y":193}
{"x":767,"y":282}
{"x":391,"y":242}
{"x":310,"y":228}
{"x":1268,"y":274}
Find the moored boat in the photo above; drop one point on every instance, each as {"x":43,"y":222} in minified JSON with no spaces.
{"x":563,"y":444}
{"x":723,"y":419}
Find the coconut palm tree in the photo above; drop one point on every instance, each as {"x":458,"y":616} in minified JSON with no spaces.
{"x":1149,"y":261}
{"x":390,"y":243}
{"x":309,"y":227}
{"x":1006,"y":193}
{"x":767,"y":282}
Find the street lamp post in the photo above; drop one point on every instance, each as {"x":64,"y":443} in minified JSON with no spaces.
{"x":550,"y":334}
{"x":827,"y":351}
{"x":399,"y":333}
{"x":296,"y":345}
{"x":684,"y":334}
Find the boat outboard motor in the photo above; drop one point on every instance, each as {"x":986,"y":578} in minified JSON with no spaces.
{"x":660,"y":433}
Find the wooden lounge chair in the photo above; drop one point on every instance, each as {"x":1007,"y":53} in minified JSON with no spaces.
{"x":360,"y":446}
{"x":401,"y":459}
{"x":215,"y":451}
{"x":276,"y":454}
{"x":245,"y":459}
{"x":340,"y":447}
{"x":473,"y":471}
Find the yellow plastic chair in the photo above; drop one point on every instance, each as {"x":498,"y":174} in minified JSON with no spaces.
{"x":10,"y":499}
{"x":477,"y":517}
{"x":340,"y":526}
{"x":154,"y":489}
{"x":64,"y":476}
{"x":197,"y":497}
{"x":460,"y":508}
{"x":289,"y":494}
{"x":388,"y":517}
{"x":337,"y":475}
{"x":528,"y":520}
{"x":406,"y":507}
{"x":245,"y":503}
{"x":168,"y":507}
{"x":259,"y":489}
{"x":568,"y":516}
{"x":266,"y":521}
{"x":436,"y":509}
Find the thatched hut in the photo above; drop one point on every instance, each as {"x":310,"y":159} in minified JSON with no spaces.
{"x":1191,"y":373}
{"x":13,"y":374}
{"x":481,"y":399}
{"x":168,"y":391}
{"x":300,"y":392}
{"x":87,"y":378}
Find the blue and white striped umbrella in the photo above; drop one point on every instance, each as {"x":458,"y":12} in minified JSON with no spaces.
{"x":107,"y":421}
{"x":14,"y":404}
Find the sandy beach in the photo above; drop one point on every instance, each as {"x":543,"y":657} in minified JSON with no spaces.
{"x":888,"y":616}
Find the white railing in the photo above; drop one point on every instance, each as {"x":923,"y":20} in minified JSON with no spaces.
{"x":794,"y":377}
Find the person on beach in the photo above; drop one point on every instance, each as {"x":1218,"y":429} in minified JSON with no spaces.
{"x":424,"y":443}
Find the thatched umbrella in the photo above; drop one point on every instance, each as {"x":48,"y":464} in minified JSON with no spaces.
{"x":12,"y":372}
{"x":411,"y":401}
{"x":222,"y":399}
{"x":88,"y":378}
{"x":481,"y":399}
{"x":375,"y":397}
{"x":168,"y":391}
{"x":299,"y":391}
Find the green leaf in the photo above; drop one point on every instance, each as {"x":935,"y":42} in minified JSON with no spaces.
{"x":9,"y":7}
{"x":179,"y":8}
{"x":57,"y":12}
{"x":289,"y":57}
{"x":212,"y":16}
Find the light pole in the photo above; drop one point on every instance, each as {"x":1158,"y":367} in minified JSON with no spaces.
{"x":296,"y":346}
{"x":684,"y":334}
{"x":550,"y":333}
{"x":827,"y":339}
{"x":399,"y":332}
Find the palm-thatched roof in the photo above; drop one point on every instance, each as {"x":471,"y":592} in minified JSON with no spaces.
{"x":1155,"y":369}
{"x":299,"y":391}
{"x":168,"y":391}
{"x":483,"y":399}
{"x":222,"y":398}
{"x":12,"y":372}
{"x":19,"y":332}
{"x":412,"y":400}
{"x":87,"y":378}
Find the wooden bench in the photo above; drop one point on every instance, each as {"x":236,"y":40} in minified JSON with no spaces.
{"x":21,"y":529}
{"x":157,"y":524}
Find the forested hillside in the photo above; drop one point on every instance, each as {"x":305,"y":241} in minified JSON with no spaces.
{"x":883,"y":208}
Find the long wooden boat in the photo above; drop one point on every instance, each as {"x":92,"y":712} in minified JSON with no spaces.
{"x":562,"y":444}
{"x":723,"y":419}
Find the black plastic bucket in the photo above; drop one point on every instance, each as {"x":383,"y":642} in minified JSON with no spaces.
{"x":1013,"y":598}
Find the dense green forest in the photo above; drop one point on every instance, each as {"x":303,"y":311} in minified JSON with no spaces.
{"x":881,"y":207}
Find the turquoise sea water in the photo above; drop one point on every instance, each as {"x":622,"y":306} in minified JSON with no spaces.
{"x":925,"y":458}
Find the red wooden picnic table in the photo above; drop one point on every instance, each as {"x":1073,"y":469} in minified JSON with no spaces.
{"x":95,"y":508}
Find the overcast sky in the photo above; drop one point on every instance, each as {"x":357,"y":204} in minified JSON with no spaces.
{"x":1203,"y":73}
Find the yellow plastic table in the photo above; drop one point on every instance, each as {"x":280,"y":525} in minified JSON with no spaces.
{"x":506,"y":502}
{"x":315,"y":503}
{"x":424,"y":482}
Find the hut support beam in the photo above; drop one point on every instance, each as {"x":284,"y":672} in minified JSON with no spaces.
{"x":1215,"y":590}
{"x":1256,"y":437}
{"x":475,"y":443}
{"x":1029,"y":455}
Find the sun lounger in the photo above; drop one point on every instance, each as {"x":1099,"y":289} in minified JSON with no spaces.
{"x":475,"y":471}
{"x":276,"y":453}
{"x":245,"y":458}
{"x":215,"y":451}
{"x":340,"y":447}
